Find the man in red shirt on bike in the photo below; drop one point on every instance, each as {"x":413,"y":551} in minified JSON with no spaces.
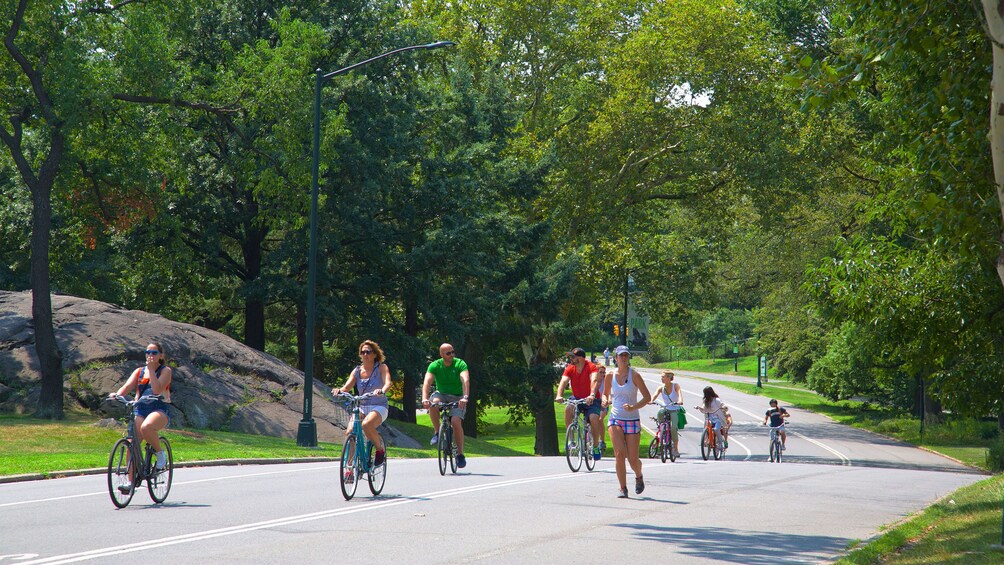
{"x":583,"y":375}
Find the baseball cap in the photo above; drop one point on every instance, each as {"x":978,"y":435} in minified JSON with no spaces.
{"x":622,"y":349}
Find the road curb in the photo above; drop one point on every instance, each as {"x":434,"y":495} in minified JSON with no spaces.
{"x":177,"y":465}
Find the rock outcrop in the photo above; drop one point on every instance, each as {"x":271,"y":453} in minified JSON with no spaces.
{"x":219,"y":383}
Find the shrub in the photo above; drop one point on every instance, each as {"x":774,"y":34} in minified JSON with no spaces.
{"x":995,"y":455}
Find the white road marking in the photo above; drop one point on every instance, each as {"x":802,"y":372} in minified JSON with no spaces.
{"x":240,"y":529}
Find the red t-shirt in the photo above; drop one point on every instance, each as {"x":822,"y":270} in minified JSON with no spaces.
{"x":582,"y":384}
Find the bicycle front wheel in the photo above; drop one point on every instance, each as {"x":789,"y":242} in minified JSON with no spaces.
{"x":573,"y":449}
{"x":707,"y":438}
{"x":120,"y":474}
{"x":453,"y":451}
{"x":587,"y":450}
{"x":666,"y":445}
{"x":348,"y":470}
{"x":378,"y":473}
{"x":719,"y":448}
{"x":443,"y":445}
{"x":159,"y":482}
{"x":653,"y":448}
{"x":775,"y":451}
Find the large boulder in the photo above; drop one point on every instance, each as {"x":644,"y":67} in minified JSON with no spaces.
{"x":219,"y":383}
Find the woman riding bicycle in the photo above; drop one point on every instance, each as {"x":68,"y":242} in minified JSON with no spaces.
{"x":372,"y":375}
{"x":718,"y":412}
{"x":670,"y":396}
{"x":151,"y":380}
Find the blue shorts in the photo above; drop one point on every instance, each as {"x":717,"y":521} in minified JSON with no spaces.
{"x":590,"y":409}
{"x":148,"y":405}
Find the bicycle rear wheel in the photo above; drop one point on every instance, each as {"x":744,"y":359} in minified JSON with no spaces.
{"x":573,"y":449}
{"x":378,"y":473}
{"x":120,"y":474}
{"x":587,"y":451}
{"x":159,"y":482}
{"x":348,"y":470}
{"x":443,"y":448}
{"x":706,"y":441}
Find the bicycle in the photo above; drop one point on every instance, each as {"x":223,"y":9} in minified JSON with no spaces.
{"x":128,"y":467}
{"x":662,"y":445}
{"x":446,"y":446}
{"x":579,"y":438}
{"x":710,"y":445}
{"x":358,"y":453}
{"x":775,"y":444}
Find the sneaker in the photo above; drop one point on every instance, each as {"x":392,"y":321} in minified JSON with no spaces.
{"x":622,"y":493}
{"x":461,"y":461}
{"x":726,"y":444}
{"x":124,"y":488}
{"x":379,"y":457}
{"x":783,"y":447}
{"x":603,"y":445}
{"x":434,"y":440}
{"x":161,"y":460}
{"x":676,"y":453}
{"x":349,"y":478}
{"x":597,"y":454}
{"x":639,"y":485}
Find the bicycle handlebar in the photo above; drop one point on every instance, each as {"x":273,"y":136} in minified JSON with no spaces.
{"x":352,"y":397}
{"x":445,"y":404}
{"x":127,"y":402}
{"x":575,"y":401}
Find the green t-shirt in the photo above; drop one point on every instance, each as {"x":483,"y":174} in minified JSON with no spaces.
{"x":448,"y":378}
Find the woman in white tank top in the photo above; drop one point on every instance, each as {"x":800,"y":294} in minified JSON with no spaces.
{"x":620,"y":392}
{"x":670,"y":395}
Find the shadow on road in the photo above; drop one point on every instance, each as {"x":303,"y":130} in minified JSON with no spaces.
{"x":740,"y":546}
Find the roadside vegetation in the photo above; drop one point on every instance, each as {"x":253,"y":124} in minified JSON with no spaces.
{"x":963,"y":527}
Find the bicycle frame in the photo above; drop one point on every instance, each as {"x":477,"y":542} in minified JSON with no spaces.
{"x":775,"y":444}
{"x":446,"y":446}
{"x":355,"y":461}
{"x":138,"y":465}
{"x":710,"y":444}
{"x":579,"y":439}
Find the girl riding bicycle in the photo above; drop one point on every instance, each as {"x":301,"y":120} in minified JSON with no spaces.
{"x":718,"y":412}
{"x":149,"y":381}
{"x":372,"y":375}
{"x":670,"y":396}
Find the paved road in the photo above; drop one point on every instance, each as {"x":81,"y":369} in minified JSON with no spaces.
{"x":835,"y":486}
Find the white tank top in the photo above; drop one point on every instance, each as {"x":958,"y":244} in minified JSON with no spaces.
{"x":670,"y":399}
{"x":621,"y":394}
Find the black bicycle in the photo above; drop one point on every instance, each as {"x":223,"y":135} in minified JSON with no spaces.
{"x":129,"y":466}
{"x":579,"y":438}
{"x":446,"y":444}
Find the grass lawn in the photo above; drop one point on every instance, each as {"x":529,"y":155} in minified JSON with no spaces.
{"x":963,"y":528}
{"x":29,"y":445}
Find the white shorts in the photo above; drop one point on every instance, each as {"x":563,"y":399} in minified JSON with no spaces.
{"x":382,"y":410}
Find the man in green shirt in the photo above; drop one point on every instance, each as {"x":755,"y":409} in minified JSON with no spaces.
{"x":453,"y":383}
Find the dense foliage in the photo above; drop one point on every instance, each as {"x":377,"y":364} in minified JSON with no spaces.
{"x":810,"y":177}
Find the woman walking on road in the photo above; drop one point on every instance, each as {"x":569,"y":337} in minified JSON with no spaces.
{"x":620,"y":393}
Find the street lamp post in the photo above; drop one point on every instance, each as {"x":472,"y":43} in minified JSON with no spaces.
{"x":306,"y":434}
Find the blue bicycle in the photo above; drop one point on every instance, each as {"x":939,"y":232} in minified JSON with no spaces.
{"x":358,"y":454}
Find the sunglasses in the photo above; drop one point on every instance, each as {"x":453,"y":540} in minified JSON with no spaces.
{"x":448,"y":352}
{"x":366,"y":352}
{"x":152,"y":352}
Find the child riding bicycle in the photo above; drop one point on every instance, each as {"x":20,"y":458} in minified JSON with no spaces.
{"x":718,"y":413}
{"x":776,"y":415}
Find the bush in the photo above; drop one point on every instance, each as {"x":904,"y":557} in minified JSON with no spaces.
{"x":995,"y":455}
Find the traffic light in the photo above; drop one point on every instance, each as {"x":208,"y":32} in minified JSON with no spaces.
{"x":617,"y":330}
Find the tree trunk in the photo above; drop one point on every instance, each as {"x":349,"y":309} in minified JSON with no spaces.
{"x":546,"y":440}
{"x":50,"y":359}
{"x":254,"y":303}
{"x":993,"y":10}
{"x":411,"y":380}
